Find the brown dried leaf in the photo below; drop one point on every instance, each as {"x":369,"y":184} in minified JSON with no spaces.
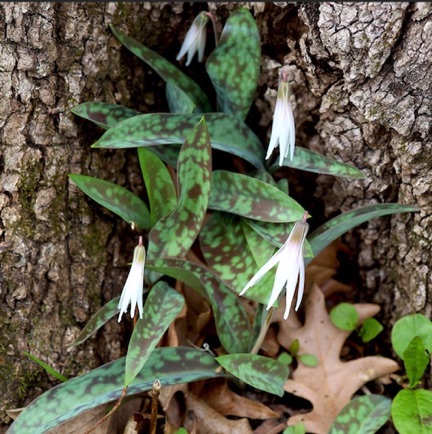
{"x":204,"y":419}
{"x":171,"y":407}
{"x":330,"y":385}
{"x":222,"y":399}
{"x":85,"y":421}
{"x":270,"y":426}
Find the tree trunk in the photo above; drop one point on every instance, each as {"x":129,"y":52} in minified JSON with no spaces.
{"x":61,"y":255}
{"x":369,"y":67}
{"x":361,"y":75}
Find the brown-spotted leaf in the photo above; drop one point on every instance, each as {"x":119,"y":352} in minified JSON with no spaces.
{"x":231,"y":320}
{"x":249,"y":197}
{"x":232,"y":257}
{"x":330,"y":385}
{"x":173,"y":235}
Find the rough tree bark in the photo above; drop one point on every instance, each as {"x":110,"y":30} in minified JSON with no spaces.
{"x":61,"y":256}
{"x":361,"y":78}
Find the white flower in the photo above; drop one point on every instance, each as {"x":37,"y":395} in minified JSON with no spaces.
{"x":283,"y":129}
{"x":133,"y":289}
{"x":290,"y":266}
{"x":195,"y":39}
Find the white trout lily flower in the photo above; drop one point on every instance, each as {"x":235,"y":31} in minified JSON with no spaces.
{"x":283,"y":129}
{"x":290,"y":268}
{"x":133,"y":289}
{"x":195,"y":39}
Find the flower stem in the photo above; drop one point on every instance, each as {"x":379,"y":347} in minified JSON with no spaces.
{"x":213,"y":20}
{"x":265,"y":324}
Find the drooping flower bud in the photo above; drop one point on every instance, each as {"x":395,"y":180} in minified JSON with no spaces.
{"x":133,"y":289}
{"x":195,"y":39}
{"x":283,"y":129}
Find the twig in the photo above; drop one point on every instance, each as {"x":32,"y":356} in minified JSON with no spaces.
{"x":154,"y":406}
{"x":264,"y":327}
{"x":113,"y":410}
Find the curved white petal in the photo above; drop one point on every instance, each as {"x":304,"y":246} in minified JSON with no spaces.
{"x":133,"y":288}
{"x":263,"y":270}
{"x":300,"y":290}
{"x":195,"y":40}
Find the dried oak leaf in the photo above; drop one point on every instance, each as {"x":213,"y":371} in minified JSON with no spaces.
{"x":330,"y":385}
{"x":204,"y":419}
{"x":222,"y":399}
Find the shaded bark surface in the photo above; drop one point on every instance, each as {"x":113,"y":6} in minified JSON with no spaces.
{"x":61,"y":255}
{"x":361,"y":78}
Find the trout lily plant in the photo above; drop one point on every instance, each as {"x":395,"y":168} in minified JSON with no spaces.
{"x":222,"y":233}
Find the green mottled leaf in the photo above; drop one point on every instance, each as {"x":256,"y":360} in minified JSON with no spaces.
{"x":370,"y":329}
{"x":231,"y":320}
{"x":407,"y":328}
{"x":252,"y":198}
{"x":416,"y":360}
{"x":344,"y":316}
{"x":167,"y":71}
{"x":173,"y":235}
{"x":104,"y":114}
{"x":163,"y":304}
{"x":334,"y":228}
{"x":311,"y":161}
{"x":411,"y":411}
{"x":234,"y":65}
{"x":48,"y":368}
{"x":105,"y":384}
{"x":178,"y":101}
{"x":160,"y":188}
{"x":260,"y":372}
{"x":227,"y":134}
{"x":109,"y":115}
{"x":101,"y":317}
{"x":228,"y":253}
{"x":117,"y":199}
{"x":362,"y":415}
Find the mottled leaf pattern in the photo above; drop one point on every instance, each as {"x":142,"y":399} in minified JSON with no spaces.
{"x":260,"y":372}
{"x":104,"y":114}
{"x":362,"y":415}
{"x":252,"y":198}
{"x":173,"y":235}
{"x":411,"y":411}
{"x":117,"y":199}
{"x":101,"y":317}
{"x":159,"y":185}
{"x":105,"y":384}
{"x":167,"y":71}
{"x":311,"y":161}
{"x":161,"y":307}
{"x":227,"y":251}
{"x":109,"y":115}
{"x":178,"y":101}
{"x":227,"y":134}
{"x":337,"y":226}
{"x":231,"y":320}
{"x":234,"y":65}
